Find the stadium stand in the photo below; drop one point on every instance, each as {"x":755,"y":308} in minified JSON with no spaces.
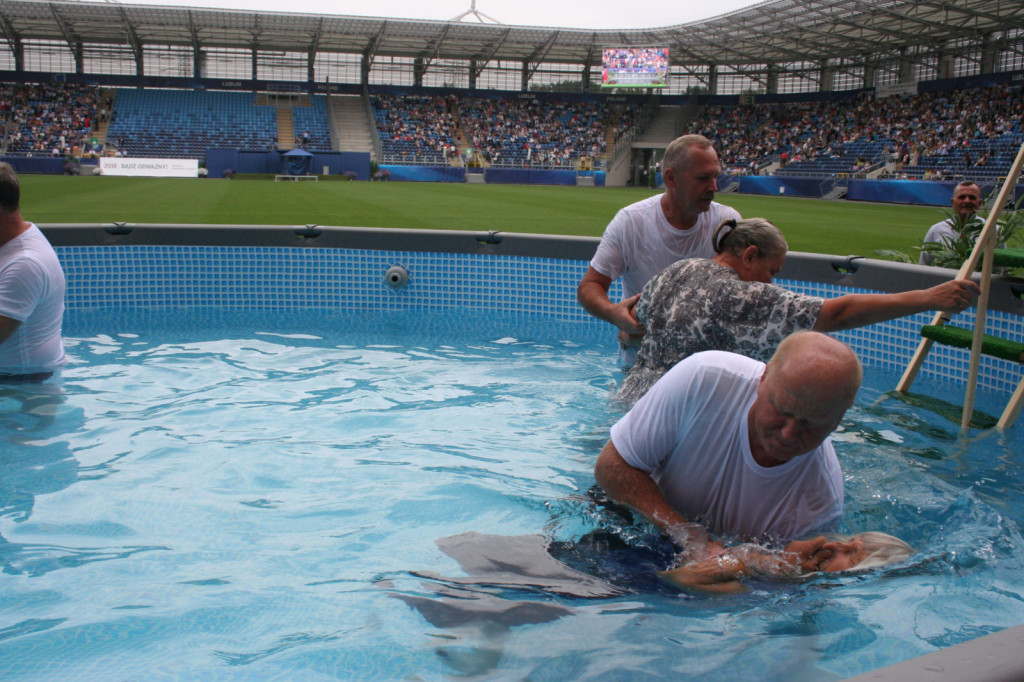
{"x":312,"y":121}
{"x":938,"y":135}
{"x":417,"y":129}
{"x":930,"y":135}
{"x":47,"y":119}
{"x":185,"y":123}
{"x":518,"y":132}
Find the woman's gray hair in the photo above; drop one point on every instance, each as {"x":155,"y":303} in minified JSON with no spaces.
{"x":734,"y":236}
{"x":882,"y":549}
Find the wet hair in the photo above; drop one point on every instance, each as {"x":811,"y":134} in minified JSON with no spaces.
{"x":678,"y":151}
{"x":882,"y":549}
{"x":10,"y":189}
{"x":734,"y":236}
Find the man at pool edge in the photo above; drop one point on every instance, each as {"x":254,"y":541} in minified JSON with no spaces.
{"x":646,"y":237}
{"x":737,"y":447}
{"x":31,"y":293}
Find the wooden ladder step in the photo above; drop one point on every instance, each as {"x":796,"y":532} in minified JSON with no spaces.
{"x":963,"y":338}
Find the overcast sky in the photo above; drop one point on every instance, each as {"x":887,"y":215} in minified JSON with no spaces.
{"x":601,"y":14}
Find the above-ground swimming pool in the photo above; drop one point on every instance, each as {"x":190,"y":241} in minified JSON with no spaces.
{"x":265,"y":462}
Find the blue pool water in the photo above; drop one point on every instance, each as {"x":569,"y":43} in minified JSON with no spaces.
{"x":237,"y":495}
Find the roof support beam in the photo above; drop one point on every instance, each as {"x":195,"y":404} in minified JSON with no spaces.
{"x":72,"y":40}
{"x":14,"y":41}
{"x":134,"y":42}
{"x":254,"y":45}
{"x":314,"y":47}
{"x":198,"y":59}
{"x":482,"y":62}
{"x":433,"y":49}
{"x":369,"y":53}
{"x":533,"y":62}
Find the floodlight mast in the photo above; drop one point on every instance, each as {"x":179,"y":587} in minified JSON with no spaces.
{"x":473,"y":11}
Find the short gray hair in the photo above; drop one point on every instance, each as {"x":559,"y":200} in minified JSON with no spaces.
{"x":734,"y":236}
{"x":678,"y":151}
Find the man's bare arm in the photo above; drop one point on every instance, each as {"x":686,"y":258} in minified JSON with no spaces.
{"x":635,"y":489}
{"x":592,"y":294}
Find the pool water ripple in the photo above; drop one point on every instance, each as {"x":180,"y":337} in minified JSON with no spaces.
{"x":244,"y":496}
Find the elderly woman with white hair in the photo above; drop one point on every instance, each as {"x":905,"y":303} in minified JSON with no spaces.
{"x":724,"y":572}
{"x":729,"y":303}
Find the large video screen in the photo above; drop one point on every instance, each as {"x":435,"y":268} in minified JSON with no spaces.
{"x":634,"y":67}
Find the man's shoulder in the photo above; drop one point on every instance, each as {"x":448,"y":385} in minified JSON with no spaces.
{"x":642,"y":205}
{"x":719,"y":212}
{"x":31,"y":246}
{"x":718,"y":365}
{"x":943,"y":228}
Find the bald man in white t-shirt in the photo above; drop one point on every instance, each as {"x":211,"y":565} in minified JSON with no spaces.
{"x":729,"y":445}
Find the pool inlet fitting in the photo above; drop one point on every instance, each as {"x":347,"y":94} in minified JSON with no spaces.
{"x":396,"y":277}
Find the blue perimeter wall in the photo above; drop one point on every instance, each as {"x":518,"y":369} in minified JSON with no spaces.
{"x":274,"y":161}
{"x":492,"y":176}
{"x":918,"y":192}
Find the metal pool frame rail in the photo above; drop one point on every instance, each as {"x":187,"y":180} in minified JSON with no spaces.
{"x":995,"y":657}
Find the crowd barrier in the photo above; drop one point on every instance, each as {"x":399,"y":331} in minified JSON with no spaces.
{"x":813,"y":188}
{"x":425,"y":173}
{"x":926,"y":192}
{"x":916,"y":192}
{"x":274,"y":162}
{"x":44,"y":165}
{"x":492,"y":176}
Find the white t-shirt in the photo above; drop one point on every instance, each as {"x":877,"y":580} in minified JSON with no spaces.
{"x":939,"y":232}
{"x":639,"y":243}
{"x":689,"y":433}
{"x":32,"y":292}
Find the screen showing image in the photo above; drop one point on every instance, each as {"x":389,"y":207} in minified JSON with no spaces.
{"x":634,"y":67}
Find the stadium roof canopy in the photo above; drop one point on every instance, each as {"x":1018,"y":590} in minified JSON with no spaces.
{"x":772,"y":32}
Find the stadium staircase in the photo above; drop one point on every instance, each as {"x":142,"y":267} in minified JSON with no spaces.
{"x":103,"y":126}
{"x":285,"y":127}
{"x":976,"y":339}
{"x":662,"y":128}
{"x":353,"y":131}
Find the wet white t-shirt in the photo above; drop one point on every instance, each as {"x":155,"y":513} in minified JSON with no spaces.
{"x":639,"y":243}
{"x":32,"y":292}
{"x":689,"y":433}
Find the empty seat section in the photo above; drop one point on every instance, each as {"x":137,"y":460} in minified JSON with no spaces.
{"x":312,"y":120}
{"x":185,"y":123}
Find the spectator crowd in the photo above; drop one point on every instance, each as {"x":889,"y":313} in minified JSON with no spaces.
{"x":48,"y":119}
{"x":919,"y":132}
{"x":929,"y":135}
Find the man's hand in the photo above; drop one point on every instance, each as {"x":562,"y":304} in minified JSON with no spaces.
{"x":624,"y":317}
{"x":592,"y":294}
{"x":694,"y":541}
{"x":954,"y":296}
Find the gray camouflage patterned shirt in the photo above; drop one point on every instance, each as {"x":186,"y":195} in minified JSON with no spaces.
{"x":696,"y":305}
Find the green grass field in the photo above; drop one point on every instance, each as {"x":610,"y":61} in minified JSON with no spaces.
{"x":831,"y":227}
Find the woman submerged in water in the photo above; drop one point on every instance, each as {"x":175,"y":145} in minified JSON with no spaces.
{"x":723,"y":572}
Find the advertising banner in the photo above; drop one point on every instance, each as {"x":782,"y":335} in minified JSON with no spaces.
{"x":150,"y":168}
